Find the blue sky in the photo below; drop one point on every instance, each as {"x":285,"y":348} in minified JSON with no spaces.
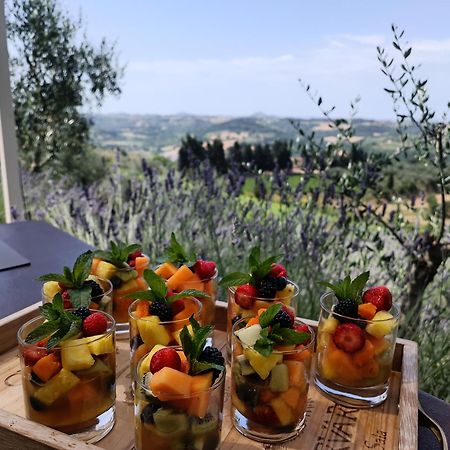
{"x":242,"y":57}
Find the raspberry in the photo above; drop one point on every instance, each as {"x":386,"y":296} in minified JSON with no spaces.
{"x":32,"y":355}
{"x":278,"y":270}
{"x":162,"y":310}
{"x":283,"y":318}
{"x":166,"y":357}
{"x":205,"y":269}
{"x":349,"y":337}
{"x":212,"y":355}
{"x":281,"y":283}
{"x":134,"y":255}
{"x":380,"y":296}
{"x":82,"y":312}
{"x":65,"y":295}
{"x":97,"y":291}
{"x":245,"y":296}
{"x":267,"y":287}
{"x":94,"y":324}
{"x":347,"y":308}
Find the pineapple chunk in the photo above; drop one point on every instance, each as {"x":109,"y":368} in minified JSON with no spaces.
{"x":75,"y":355}
{"x":282,"y":411}
{"x":105,"y":270}
{"x":152,"y":332}
{"x":386,"y":323}
{"x":50,"y":289}
{"x":59,"y":385}
{"x":286,"y":294}
{"x":100,"y":344}
{"x":329,"y":325}
{"x":262,"y":364}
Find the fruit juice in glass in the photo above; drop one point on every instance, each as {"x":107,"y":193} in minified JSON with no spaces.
{"x":360,"y":378}
{"x":101,"y":302}
{"x":167,"y":421}
{"x":148,"y":331}
{"x":269,"y":394}
{"x":125,"y":280}
{"x":71,"y":387}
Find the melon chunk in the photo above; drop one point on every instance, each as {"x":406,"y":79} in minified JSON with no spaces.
{"x":291,"y":397}
{"x":169,"y":382}
{"x":166,"y":270}
{"x":180,"y":276}
{"x":249,"y":336}
{"x":282,"y":410}
{"x":152,"y":332}
{"x":198,"y":404}
{"x":297,"y":374}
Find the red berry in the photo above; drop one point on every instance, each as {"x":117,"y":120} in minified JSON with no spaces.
{"x":132,"y":263}
{"x":349,"y":337}
{"x":303,"y":329}
{"x":62,"y":287}
{"x":177,"y":306}
{"x":245,"y":296}
{"x":166,"y":357}
{"x":94,"y":324}
{"x":289,"y":311}
{"x":380,"y":296}
{"x":42,"y":342}
{"x":31,"y":355}
{"x":67,"y":304}
{"x":65,"y":295}
{"x":278,"y":271}
{"x":134,"y":255}
{"x":205,"y":269}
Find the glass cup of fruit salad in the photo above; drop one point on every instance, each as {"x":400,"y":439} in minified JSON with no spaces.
{"x":158,"y":316}
{"x":124,"y":266}
{"x":356,"y":342}
{"x":270,"y":371}
{"x":77,"y":287}
{"x":68,"y":363}
{"x":179,"y":395}
{"x":183,"y":271}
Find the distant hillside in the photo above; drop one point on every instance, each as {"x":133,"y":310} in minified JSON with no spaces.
{"x":162,"y":134}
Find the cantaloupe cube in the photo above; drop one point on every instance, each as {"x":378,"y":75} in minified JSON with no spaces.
{"x":291,"y":397}
{"x":140,"y":264}
{"x":169,"y":382}
{"x":364,"y":355}
{"x":198,"y":404}
{"x":379,"y":345}
{"x":191,"y":309}
{"x":343,"y":364}
{"x":137,"y":355}
{"x":142,"y":309}
{"x":180,"y":276}
{"x":47,"y":367}
{"x":95,"y":263}
{"x":166,"y":270}
{"x":283,"y":412}
{"x":298,"y":376}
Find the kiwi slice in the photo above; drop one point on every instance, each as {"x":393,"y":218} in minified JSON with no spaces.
{"x":168,"y":421}
{"x":202,"y":426}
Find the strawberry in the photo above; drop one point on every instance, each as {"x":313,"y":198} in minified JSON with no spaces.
{"x":278,"y":271}
{"x":94,"y":324}
{"x":177,"y":306}
{"x":31,"y":355}
{"x":245,"y":296}
{"x":205,"y":269}
{"x":349,"y":337}
{"x":380,"y":296}
{"x":134,"y":255}
{"x":166,"y":357}
{"x":303,"y":329}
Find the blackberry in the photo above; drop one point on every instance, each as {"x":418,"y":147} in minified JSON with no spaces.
{"x":82,"y":312}
{"x":267,"y":287}
{"x":97,"y":290}
{"x":346,"y":307}
{"x":148,"y":411}
{"x":283,"y":318}
{"x":247,"y":393}
{"x":162,"y":310}
{"x":135,"y":342}
{"x":281,"y":283}
{"x":212,"y":355}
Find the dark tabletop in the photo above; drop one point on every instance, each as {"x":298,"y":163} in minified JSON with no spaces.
{"x":49,"y":249}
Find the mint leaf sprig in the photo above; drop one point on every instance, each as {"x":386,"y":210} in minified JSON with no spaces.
{"x":257,"y":270}
{"x":118,"y":253}
{"x":348,"y":288}
{"x":275,"y":334}
{"x":158,"y":290}
{"x":177,"y":254}
{"x":73,"y":280}
{"x":194,"y":345}
{"x":60,"y":324}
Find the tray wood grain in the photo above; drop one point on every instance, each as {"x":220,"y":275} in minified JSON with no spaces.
{"x":392,"y":425}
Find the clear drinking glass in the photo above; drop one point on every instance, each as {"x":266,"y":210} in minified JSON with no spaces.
{"x":184,"y":422}
{"x":270,"y":410}
{"x":359,"y":379}
{"x":74,"y":389}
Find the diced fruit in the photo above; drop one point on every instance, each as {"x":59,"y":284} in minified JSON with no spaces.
{"x":253,"y":321}
{"x":262,"y":364}
{"x":367,"y":310}
{"x":244,"y":365}
{"x":61,"y":383}
{"x":287,"y":293}
{"x":342,"y":364}
{"x":31,"y":355}
{"x":198,"y":404}
{"x":349,"y":337}
{"x":379,"y":344}
{"x":279,"y":378}
{"x":283,"y":412}
{"x":298,"y":375}
{"x":75,"y":355}
{"x":364,"y":355}
{"x":182,"y":317}
{"x":380,"y":296}
{"x":205,"y":269}
{"x":265,"y":415}
{"x":139,"y":353}
{"x":371,"y":369}
{"x":245,"y":296}
{"x":100,"y":344}
{"x":152,"y":332}
{"x":166,"y":270}
{"x":133,"y":285}
{"x":169,"y":382}
{"x":166,"y":357}
{"x":278,"y":270}
{"x":180,"y":276}
{"x":47,"y":367}
{"x":145,"y":364}
{"x":98,"y":369}
{"x":142,"y":309}
{"x":383,"y":324}
{"x":249,"y":335}
{"x":291,"y":397}
{"x":95,"y":324}
{"x":168,"y":421}
{"x":105,"y":270}
{"x":51,"y":288}
{"x":141,"y":263}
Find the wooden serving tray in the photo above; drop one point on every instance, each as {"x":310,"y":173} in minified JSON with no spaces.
{"x":393,"y":425}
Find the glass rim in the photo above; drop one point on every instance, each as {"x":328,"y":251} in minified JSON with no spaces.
{"x":107,"y":333}
{"x":140,"y":385}
{"x":297,"y":321}
{"x":129,"y":268}
{"x":103,"y":280}
{"x":394,"y":311}
{"x":166,"y":322}
{"x":232,"y":290}
{"x":203,"y":280}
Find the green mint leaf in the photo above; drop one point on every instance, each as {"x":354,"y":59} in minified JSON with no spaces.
{"x":142,"y":295}
{"x":264,"y":346}
{"x":69,"y":276}
{"x":187,"y":293}
{"x":358,"y":284}
{"x":49,"y":312}
{"x":156,"y":283}
{"x":74,"y":329}
{"x":268,"y":315}
{"x":117,"y":254}
{"x":175,"y":252}
{"x":254,"y":259}
{"x":235,"y":279}
{"x":290,"y":336}
{"x":58,"y":304}
{"x":200,"y":337}
{"x":194,"y":324}
{"x":104,"y":256}
{"x":82,"y":267}
{"x":80,"y":297}
{"x":129,"y":249}
{"x":53,"y":277}
{"x":42,"y":331}
{"x":202,"y":366}
{"x":56,"y":338}
{"x":263,"y":268}
{"x":187,"y":342}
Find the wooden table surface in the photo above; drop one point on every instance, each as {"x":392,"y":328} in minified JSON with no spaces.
{"x":49,"y":249}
